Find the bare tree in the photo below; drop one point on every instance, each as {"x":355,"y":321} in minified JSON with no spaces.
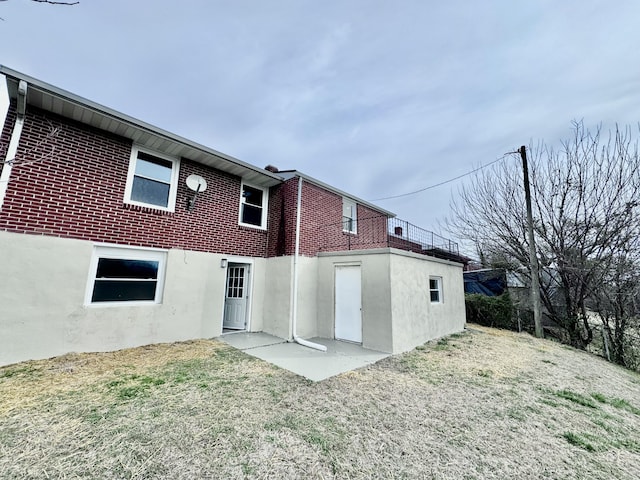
{"x":584,"y":198}
{"x":617,"y":301}
{"x":50,"y":2}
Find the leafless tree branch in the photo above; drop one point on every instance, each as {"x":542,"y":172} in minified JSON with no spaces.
{"x":55,"y":3}
{"x":585,"y":199}
{"x":50,"y":2}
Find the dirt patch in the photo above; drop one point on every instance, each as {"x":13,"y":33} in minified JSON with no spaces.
{"x":483,"y":404}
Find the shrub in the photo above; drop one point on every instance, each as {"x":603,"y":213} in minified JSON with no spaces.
{"x":490,"y":311}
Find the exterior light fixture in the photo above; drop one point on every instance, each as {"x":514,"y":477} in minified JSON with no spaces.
{"x":223,"y":263}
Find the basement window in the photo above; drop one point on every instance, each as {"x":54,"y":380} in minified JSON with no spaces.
{"x":349,"y":216}
{"x":253,"y":206}
{"x":125,"y":275}
{"x":152,"y":180}
{"x":435,"y":289}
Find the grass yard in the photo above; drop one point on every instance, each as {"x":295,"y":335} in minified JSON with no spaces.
{"x":485,"y":404}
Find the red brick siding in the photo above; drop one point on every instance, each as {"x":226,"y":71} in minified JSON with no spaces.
{"x":282,"y":218}
{"x":75,"y":186}
{"x":404,"y":244}
{"x":321,"y":222}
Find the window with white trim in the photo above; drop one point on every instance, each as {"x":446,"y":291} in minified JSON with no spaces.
{"x":124,"y":275}
{"x":253,"y":206}
{"x":152,"y":180}
{"x":435,"y":289}
{"x":349,"y":216}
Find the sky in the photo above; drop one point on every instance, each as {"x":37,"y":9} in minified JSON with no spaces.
{"x":377,"y":98}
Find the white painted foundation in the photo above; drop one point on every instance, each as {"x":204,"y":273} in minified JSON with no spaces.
{"x":44,"y":280}
{"x":44,"y":283}
{"x":397,"y":313}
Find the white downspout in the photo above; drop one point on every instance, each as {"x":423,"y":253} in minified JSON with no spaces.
{"x":13,"y":143}
{"x":294,"y":294}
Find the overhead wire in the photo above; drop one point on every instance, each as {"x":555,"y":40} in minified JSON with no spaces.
{"x":444,"y":182}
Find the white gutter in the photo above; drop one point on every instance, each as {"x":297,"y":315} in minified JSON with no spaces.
{"x":61,"y":102}
{"x":294,"y":288}
{"x":14,"y":141}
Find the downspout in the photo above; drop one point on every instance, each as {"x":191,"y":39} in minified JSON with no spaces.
{"x":294,"y":288}
{"x":15,"y":140}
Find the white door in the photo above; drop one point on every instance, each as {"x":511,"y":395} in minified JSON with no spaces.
{"x":348,"y":303}
{"x":235,"y":302}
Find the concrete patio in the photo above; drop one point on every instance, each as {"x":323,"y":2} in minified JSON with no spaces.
{"x":313,"y":364}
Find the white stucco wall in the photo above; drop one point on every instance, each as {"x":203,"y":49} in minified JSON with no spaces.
{"x":397,"y":314}
{"x":307,"y":324}
{"x":44,"y":281}
{"x":257,"y":294}
{"x":43,"y":285}
{"x":276,"y":305}
{"x":42,"y":311}
{"x":415,"y":318}
{"x":376,"y":296}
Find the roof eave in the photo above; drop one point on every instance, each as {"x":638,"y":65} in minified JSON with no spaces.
{"x":55,"y":100}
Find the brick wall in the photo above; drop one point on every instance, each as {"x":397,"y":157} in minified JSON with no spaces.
{"x":400,"y":243}
{"x":72,"y":185}
{"x":321,"y":222}
{"x":282,"y":218}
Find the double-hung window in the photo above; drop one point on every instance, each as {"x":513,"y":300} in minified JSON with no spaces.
{"x":349,"y":216}
{"x":126,"y":275}
{"x":152,"y":180}
{"x":435,"y":289}
{"x":253,"y":206}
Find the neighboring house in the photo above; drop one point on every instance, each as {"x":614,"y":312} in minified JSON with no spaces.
{"x":493,"y":282}
{"x":115,"y":233}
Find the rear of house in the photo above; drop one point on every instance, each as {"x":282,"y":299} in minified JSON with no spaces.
{"x":114,"y":233}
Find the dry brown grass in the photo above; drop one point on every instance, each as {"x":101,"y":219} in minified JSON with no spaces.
{"x":36,"y":379}
{"x":484,"y":404}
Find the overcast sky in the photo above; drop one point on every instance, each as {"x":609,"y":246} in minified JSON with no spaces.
{"x":377,"y":98}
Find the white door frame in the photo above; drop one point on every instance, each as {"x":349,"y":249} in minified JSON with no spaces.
{"x":359,"y":334}
{"x":248,"y":261}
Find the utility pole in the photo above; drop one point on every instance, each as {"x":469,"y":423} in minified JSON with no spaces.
{"x":533,"y":257}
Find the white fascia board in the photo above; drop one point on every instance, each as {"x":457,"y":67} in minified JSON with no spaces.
{"x":13,"y":77}
{"x":5,"y":177}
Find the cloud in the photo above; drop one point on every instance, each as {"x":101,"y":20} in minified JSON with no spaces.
{"x":375,"y":97}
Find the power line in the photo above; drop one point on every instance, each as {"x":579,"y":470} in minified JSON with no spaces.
{"x":442,"y":183}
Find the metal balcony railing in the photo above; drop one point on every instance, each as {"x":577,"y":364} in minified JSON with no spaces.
{"x":406,"y":236}
{"x":382,"y":231}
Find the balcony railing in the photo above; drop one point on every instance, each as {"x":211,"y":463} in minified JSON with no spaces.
{"x":406,"y":236}
{"x":381,"y":231}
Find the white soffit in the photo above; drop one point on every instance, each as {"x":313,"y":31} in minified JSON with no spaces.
{"x":68,"y":105}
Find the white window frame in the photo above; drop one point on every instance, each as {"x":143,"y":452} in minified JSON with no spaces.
{"x":438,"y":289}
{"x":349,"y":206}
{"x":265,"y":206}
{"x":126,"y":253}
{"x":173,"y":187}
